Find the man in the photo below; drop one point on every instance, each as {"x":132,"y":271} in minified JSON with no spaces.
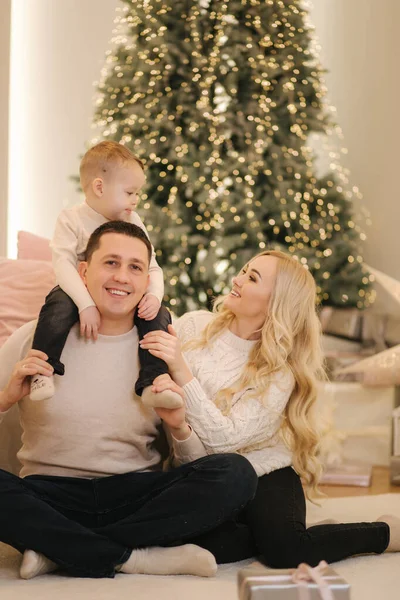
{"x":91,"y":487}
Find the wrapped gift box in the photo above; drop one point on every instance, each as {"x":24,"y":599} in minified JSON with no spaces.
{"x":341,"y":353}
{"x":375,"y":326}
{"x":361,"y":418}
{"x":396,"y":432}
{"x":332,"y":344}
{"x":260,"y":583}
{"x":347,"y":474}
{"x":395,"y":470}
{"x":335,"y":361}
{"x":342,"y":322}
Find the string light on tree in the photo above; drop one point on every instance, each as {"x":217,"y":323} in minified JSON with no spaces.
{"x":219,"y":98}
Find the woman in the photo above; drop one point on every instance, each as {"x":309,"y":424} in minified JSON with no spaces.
{"x":250,"y":382}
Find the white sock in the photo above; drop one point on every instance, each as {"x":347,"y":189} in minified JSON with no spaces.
{"x":166,"y":399}
{"x":179,"y":560}
{"x":34,"y":563}
{"x":394,"y":526}
{"x":42,"y":387}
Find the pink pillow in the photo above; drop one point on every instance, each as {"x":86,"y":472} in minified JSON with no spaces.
{"x":33,"y":247}
{"x":24,"y":285}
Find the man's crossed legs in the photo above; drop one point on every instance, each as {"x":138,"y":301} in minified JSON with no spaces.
{"x":89,"y":527}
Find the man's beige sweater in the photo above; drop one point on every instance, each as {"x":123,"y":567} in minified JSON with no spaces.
{"x":94,"y":425}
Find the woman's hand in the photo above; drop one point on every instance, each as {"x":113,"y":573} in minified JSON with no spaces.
{"x":168,"y":347}
{"x":175,"y":417}
{"x":19,"y":383}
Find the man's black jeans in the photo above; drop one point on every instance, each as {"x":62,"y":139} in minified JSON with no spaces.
{"x":59,"y":314}
{"x":273,"y":527}
{"x":89,"y":526}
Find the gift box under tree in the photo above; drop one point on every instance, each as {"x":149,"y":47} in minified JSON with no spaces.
{"x":304,"y":583}
{"x":360,"y":419}
{"x":395,"y":459}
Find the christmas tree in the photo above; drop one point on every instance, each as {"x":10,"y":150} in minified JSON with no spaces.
{"x":219,"y":99}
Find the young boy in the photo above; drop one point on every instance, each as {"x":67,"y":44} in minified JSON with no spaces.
{"x":111,"y":178}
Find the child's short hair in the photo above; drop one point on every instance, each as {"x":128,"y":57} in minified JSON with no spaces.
{"x":103,"y":157}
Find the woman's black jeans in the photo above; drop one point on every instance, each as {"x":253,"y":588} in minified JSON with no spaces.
{"x":273,"y":527}
{"x":59,"y":314}
{"x":89,"y":526}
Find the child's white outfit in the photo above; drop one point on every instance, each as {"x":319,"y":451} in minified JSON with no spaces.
{"x":73,"y":228}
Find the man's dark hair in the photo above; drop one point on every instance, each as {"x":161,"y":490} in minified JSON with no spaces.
{"x":121,"y":227}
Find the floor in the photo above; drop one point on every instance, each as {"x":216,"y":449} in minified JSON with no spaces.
{"x":371,"y":577}
{"x":380,"y":485}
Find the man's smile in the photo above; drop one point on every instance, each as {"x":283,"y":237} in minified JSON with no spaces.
{"x":117,"y":292}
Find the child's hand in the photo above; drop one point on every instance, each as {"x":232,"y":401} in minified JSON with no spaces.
{"x":90,"y":322}
{"x":148,"y":307}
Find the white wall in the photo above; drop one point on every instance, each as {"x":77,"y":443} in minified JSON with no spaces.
{"x":58,"y":49}
{"x":359,"y":40}
{"x":5,"y":16}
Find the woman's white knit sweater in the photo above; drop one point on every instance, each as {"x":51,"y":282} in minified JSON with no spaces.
{"x":251,"y":421}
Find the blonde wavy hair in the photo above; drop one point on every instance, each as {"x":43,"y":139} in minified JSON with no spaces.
{"x":290,"y":341}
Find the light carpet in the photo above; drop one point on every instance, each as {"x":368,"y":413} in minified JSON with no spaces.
{"x":371,"y":577}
